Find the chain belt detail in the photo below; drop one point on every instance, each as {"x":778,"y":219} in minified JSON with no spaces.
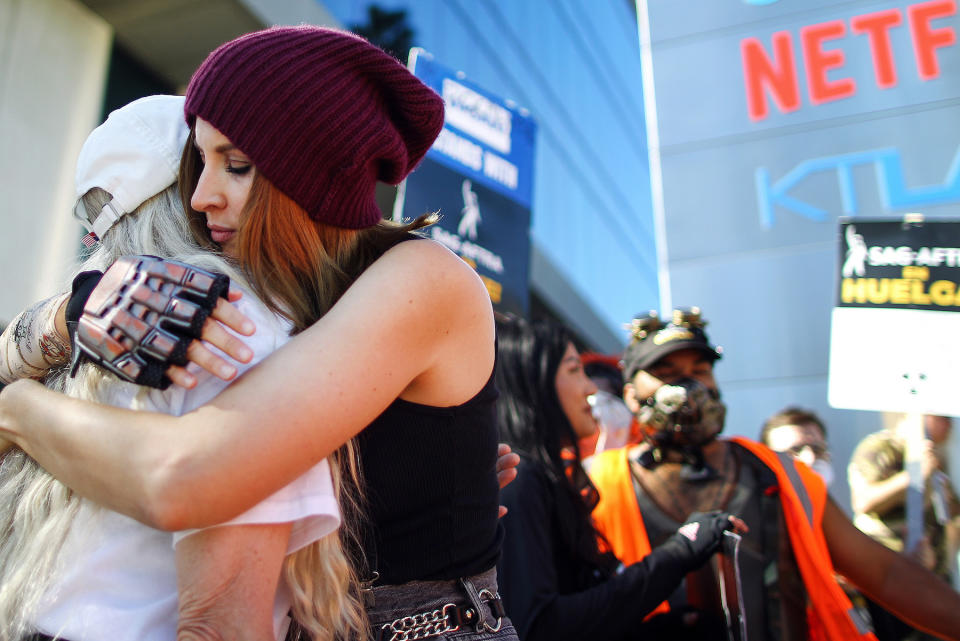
{"x":447,"y":618}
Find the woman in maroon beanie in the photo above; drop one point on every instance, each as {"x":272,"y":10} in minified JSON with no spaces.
{"x":291,"y":129}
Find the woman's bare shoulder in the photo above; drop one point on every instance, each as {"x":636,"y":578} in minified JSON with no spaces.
{"x":448,"y":316}
{"x":427,"y":267}
{"x":423,"y":250}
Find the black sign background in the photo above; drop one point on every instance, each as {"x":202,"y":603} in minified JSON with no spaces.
{"x":504,"y":228}
{"x":898,"y":235}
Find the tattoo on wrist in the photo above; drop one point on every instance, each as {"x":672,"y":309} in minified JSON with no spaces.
{"x":31,"y":346}
{"x":55,"y":350}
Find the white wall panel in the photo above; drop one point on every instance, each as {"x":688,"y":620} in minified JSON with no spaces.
{"x":53,"y":61}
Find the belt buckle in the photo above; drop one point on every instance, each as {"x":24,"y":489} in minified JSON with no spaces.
{"x":489,"y":597}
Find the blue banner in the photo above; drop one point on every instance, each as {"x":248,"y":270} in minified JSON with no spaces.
{"x":486,"y":138}
{"x":479,"y":176}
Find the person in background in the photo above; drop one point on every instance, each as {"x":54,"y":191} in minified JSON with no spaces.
{"x":614,"y":417}
{"x":801,"y":434}
{"x":77,"y":571}
{"x":557,"y":579}
{"x":798,"y":538}
{"x":878,"y":488}
{"x":604,"y":371}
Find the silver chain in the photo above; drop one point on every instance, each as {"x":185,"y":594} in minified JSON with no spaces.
{"x":423,"y":625}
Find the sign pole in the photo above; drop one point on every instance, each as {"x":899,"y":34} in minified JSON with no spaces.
{"x":916,"y":442}
{"x":653,"y":155}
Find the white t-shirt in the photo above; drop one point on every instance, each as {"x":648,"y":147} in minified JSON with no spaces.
{"x":117,"y":578}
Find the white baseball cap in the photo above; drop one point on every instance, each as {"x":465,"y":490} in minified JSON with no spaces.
{"x":133,"y":155}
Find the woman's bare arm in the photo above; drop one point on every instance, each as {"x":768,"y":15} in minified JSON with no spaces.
{"x":894,"y":581}
{"x":35,"y":341}
{"x":227,"y":579}
{"x":418,"y":325}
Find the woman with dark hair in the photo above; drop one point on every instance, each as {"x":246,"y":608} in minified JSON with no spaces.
{"x":556,"y":579}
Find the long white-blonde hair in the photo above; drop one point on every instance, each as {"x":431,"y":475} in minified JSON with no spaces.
{"x":37,"y":511}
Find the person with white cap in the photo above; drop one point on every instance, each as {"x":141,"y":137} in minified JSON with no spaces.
{"x":292,"y":129}
{"x":73,"y":570}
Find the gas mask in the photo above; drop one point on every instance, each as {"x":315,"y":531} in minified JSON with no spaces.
{"x":682,"y":417}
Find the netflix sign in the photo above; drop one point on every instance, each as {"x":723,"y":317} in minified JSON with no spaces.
{"x":775,"y":119}
{"x":781,"y":116}
{"x":775,"y":70}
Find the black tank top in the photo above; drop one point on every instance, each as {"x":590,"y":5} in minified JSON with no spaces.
{"x":432,"y":493}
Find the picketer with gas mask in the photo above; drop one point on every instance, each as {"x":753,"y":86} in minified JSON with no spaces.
{"x":798,"y":537}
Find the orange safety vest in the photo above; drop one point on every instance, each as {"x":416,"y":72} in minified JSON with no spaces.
{"x":803,"y":497}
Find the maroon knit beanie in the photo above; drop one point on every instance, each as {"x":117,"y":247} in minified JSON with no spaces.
{"x":323,"y":114}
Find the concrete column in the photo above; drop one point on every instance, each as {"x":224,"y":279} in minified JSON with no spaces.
{"x":53,"y":66}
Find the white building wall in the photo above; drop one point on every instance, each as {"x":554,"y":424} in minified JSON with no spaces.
{"x":53,"y":65}
{"x":291,"y":12}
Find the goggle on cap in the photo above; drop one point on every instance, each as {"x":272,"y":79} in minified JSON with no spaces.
{"x":651,"y":339}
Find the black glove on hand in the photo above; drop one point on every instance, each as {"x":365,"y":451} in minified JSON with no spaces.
{"x":141,"y":316}
{"x":697,"y":539}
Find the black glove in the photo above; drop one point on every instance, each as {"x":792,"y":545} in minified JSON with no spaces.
{"x":141,"y":316}
{"x":696,"y":540}
{"x":83,"y":285}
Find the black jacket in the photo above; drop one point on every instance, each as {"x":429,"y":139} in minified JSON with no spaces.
{"x":547,"y":590}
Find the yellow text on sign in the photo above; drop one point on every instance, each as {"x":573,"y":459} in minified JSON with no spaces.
{"x":911,"y":289}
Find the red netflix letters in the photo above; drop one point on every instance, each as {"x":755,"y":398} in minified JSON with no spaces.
{"x":877,"y":28}
{"x":926,"y":39}
{"x":819,"y":61}
{"x":775,"y":73}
